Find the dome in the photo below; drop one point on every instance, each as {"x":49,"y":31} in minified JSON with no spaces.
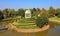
{"x":27,"y":11}
{"x":28,"y":14}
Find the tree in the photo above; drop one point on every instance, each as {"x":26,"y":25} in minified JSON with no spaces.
{"x":44,"y":12}
{"x":1,"y":15}
{"x":8,"y":13}
{"x":52,"y":11}
{"x":0,"y":12}
{"x":21,"y":12}
{"x":58,"y":12}
{"x":38,"y":11}
{"x":5,"y":13}
{"x":34,"y":11}
{"x":11,"y":12}
{"x":41,"y":21}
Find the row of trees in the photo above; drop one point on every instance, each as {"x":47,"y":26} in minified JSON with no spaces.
{"x":35,"y":11}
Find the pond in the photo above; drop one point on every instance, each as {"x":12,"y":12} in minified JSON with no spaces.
{"x":54,"y":31}
{"x":43,"y":33}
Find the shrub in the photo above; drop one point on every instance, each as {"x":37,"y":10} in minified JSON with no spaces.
{"x":41,"y":21}
{"x":58,"y":14}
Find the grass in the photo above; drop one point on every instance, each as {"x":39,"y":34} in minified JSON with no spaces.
{"x":27,"y":26}
{"x":24,"y":20}
{"x":55,"y":18}
{"x":23,"y":23}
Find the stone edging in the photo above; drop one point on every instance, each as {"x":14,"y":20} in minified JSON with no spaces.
{"x":32,"y":30}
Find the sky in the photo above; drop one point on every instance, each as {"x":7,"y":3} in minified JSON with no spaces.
{"x":16,"y":4}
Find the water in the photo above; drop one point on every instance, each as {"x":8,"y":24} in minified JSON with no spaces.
{"x":54,"y":31}
{"x":43,"y":33}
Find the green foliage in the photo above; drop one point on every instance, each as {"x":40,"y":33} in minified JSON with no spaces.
{"x":21,"y":12}
{"x":44,"y":12}
{"x":52,"y":11}
{"x":41,"y":21}
{"x":24,"y":20}
{"x":8,"y":13}
{"x":26,"y":26}
{"x":58,"y":14}
{"x":1,"y":16}
{"x":57,"y":10}
{"x":11,"y":13}
{"x":35,"y":11}
{"x":5,"y":12}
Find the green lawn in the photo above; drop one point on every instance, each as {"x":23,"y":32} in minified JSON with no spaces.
{"x":23,"y":23}
{"x":24,"y":20}
{"x":28,"y":26}
{"x":55,"y":18}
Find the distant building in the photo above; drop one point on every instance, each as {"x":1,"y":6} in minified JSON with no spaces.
{"x":27,"y":14}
